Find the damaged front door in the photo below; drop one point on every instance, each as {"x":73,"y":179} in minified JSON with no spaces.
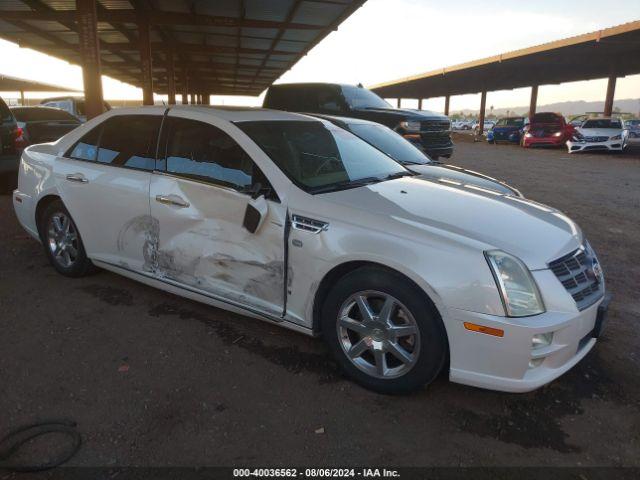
{"x":199,"y":197}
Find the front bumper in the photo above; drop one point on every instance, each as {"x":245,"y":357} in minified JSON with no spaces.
{"x":543,"y":141}
{"x":510,"y":363}
{"x":608,"y":146}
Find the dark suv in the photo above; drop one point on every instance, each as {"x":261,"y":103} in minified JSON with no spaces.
{"x":9,"y":132}
{"x":429,"y":131}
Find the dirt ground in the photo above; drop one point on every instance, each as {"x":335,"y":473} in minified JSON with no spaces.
{"x":153,"y":379}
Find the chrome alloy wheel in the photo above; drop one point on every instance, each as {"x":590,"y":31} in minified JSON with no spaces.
{"x":62,"y":239}
{"x":378,"y":334}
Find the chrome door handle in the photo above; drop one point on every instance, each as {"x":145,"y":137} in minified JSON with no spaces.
{"x":172,"y":200}
{"x":77,"y":177}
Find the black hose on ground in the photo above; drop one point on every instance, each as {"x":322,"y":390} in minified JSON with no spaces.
{"x":18,"y":437}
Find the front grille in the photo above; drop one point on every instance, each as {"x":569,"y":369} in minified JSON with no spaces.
{"x":435,"y":125}
{"x":579,"y":272}
{"x":596,"y":139}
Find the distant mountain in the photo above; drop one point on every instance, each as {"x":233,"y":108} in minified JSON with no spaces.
{"x":629,"y":105}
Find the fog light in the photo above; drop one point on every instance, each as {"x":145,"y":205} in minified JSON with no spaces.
{"x":541,"y":340}
{"x":535,"y":362}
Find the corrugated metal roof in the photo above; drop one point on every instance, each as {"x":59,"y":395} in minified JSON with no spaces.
{"x":225,"y":46}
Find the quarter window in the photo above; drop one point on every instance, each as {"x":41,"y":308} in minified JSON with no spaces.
{"x":87,"y":146}
{"x":201,"y":151}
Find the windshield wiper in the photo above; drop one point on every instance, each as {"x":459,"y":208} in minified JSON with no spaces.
{"x":359,"y":182}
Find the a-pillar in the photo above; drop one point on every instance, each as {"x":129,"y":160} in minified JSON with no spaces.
{"x":145,"y":60}
{"x":611,"y":92}
{"x":87,"y":18}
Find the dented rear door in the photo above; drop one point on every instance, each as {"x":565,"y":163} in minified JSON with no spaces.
{"x":199,"y":195}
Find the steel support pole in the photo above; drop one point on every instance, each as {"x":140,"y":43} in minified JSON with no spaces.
{"x":22,"y":98}
{"x":87,"y":18}
{"x":399,"y":102}
{"x":145,"y":60}
{"x":193,"y":99}
{"x":446,"y":105}
{"x":419,"y":104}
{"x":185,"y":86}
{"x":171,"y":78}
{"x":533,"y":104}
{"x":611,"y":92}
{"x":483,"y":105}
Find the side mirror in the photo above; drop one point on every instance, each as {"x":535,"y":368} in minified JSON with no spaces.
{"x":255,"y":213}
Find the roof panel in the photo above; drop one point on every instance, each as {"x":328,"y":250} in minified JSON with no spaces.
{"x":227,"y":48}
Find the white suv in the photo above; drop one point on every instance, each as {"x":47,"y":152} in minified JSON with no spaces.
{"x":295,"y":221}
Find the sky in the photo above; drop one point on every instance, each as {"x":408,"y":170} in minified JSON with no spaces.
{"x":390,"y":39}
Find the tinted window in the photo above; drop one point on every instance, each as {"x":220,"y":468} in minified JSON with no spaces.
{"x":546,"y":118}
{"x":315,"y":155}
{"x":5,"y":114}
{"x":87,"y":147}
{"x":329,"y":100}
{"x":293,"y":98}
{"x":358,"y":97}
{"x":31,"y":114}
{"x":130,"y":141}
{"x":389,"y":142}
{"x":201,"y":151}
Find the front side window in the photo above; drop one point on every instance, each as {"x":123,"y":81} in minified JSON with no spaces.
{"x":201,"y":151}
{"x":317,"y":157}
{"x":389,"y":142}
{"x":358,"y":97}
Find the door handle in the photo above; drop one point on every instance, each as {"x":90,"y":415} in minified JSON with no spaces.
{"x":174,"y":200}
{"x":77,"y":177}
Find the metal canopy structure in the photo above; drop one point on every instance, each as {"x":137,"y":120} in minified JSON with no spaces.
{"x":607,"y":53}
{"x":15,"y":84}
{"x":226,"y":47}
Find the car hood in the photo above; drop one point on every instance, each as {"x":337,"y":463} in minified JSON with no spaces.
{"x":451,"y":174}
{"x":408,"y":113}
{"x":599,"y":132}
{"x":415,"y":208}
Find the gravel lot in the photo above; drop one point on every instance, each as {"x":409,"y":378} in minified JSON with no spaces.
{"x":153,"y":379}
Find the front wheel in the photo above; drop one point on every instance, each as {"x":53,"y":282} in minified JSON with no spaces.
{"x":384,"y":331}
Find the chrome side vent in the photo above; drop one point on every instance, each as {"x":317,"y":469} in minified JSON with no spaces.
{"x":307,"y":224}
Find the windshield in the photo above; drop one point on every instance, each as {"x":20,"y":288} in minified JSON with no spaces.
{"x":389,"y":142}
{"x":358,"y":97}
{"x":602,"y":123}
{"x":510,"y":122}
{"x":319,"y":157}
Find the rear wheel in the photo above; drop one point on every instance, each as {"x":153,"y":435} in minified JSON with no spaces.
{"x":62,"y":243}
{"x":384,"y":332}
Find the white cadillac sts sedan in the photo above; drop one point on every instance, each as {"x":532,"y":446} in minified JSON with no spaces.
{"x":293,"y":220}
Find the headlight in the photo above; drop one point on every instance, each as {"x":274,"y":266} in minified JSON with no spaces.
{"x":557,"y":134}
{"x":517,"y":287}
{"x":617,"y":137}
{"x":528,"y":135}
{"x":410,"y":126}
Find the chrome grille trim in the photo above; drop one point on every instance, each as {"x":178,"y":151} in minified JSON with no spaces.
{"x":575,"y":272}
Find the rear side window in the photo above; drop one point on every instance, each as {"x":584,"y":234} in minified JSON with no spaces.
{"x":125,"y":141}
{"x":201,"y":151}
{"x":293,"y":98}
{"x":87,"y":147}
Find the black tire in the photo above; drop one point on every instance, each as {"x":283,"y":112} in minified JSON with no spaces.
{"x":432,"y":348}
{"x":80,"y":265}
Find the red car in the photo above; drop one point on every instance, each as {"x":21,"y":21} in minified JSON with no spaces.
{"x":547,"y":130}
